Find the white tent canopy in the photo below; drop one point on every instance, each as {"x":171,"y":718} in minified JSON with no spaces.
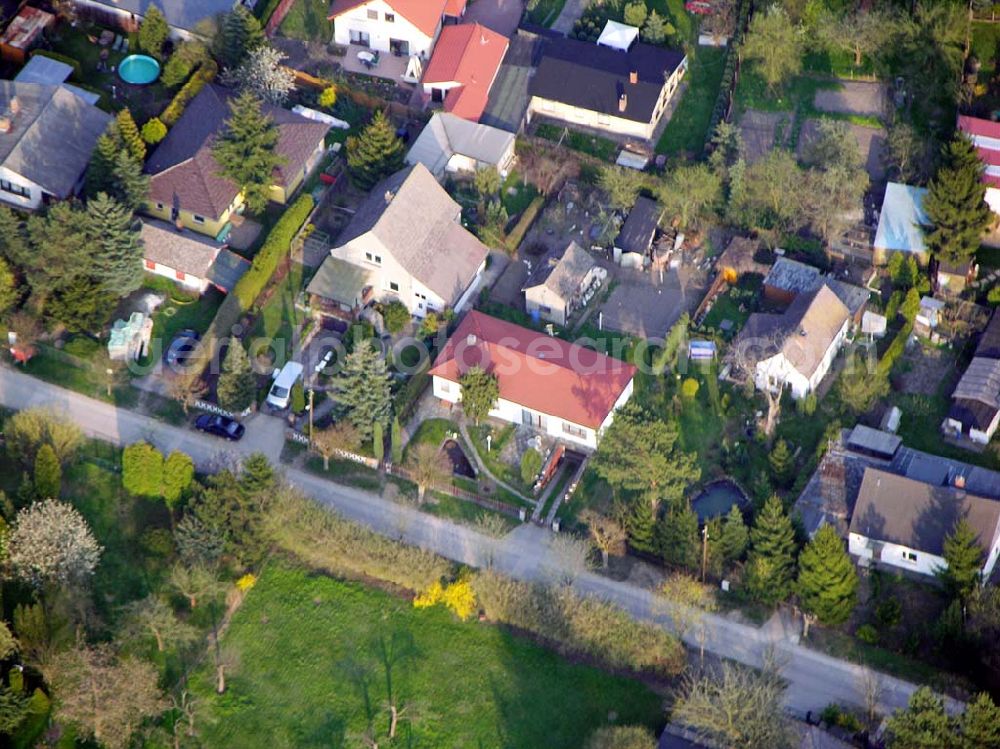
{"x":618,"y":35}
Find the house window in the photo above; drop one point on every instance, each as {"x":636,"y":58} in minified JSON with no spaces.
{"x":378,"y":259}
{"x":372,"y":15}
{"x":13,"y":189}
{"x":199,"y":219}
{"x":368,"y":256}
{"x":390,"y":18}
{"x":150,"y":265}
{"x":573,"y":429}
{"x":159,"y":206}
{"x":545,"y":310}
{"x":393,"y":286}
{"x":910,"y":556}
{"x":445,"y":387}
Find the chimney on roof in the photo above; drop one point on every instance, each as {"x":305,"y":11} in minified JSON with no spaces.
{"x":959,"y":481}
{"x":15,"y":105}
{"x":633,"y":77}
{"x":5,"y":124}
{"x":389,"y":195}
{"x":471,"y":339}
{"x":622,"y":102}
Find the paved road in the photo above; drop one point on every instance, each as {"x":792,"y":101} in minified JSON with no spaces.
{"x":815,"y":680}
{"x":571,"y":11}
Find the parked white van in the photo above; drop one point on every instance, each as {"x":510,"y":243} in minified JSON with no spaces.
{"x":281,"y":389}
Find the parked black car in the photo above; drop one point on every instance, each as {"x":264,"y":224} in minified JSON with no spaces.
{"x":220,"y":426}
{"x":181,"y":348}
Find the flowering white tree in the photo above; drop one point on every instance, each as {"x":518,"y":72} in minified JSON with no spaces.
{"x":51,"y":542}
{"x":262,"y":74}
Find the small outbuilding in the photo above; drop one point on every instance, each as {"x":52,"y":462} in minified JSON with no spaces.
{"x":561,"y":284}
{"x":635,"y":240}
{"x":900,"y":222}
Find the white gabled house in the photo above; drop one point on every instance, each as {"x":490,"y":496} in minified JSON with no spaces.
{"x":564,"y":390}
{"x":408,"y":237}
{"x":795,"y":349}
{"x":902,"y":523}
{"x":398,"y":27}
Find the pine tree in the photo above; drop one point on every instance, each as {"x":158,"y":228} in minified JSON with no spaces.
{"x":115,"y":245}
{"x":980,"y":724}
{"x":363,"y":389}
{"x":128,"y":184}
{"x":772,"y":553}
{"x":240,"y":32}
{"x":955,"y":204}
{"x":640,"y":523}
{"x":677,"y":538}
{"x":237,"y":386}
{"x":245,"y":151}
{"x":153,"y":32}
{"x":82,"y":304}
{"x":963,"y":558}
{"x":9,"y":291}
{"x":48,"y":473}
{"x":396,"y":437}
{"x":480,"y":391}
{"x":828,"y":582}
{"x":734,"y":538}
{"x":656,"y":29}
{"x":130,"y":135}
{"x":378,"y":441}
{"x":375,"y":153}
{"x":103,"y":160}
{"x":781,"y":462}
{"x":924,"y":724}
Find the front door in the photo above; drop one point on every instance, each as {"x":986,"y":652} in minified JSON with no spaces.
{"x":437,"y":94}
{"x":399,"y":47}
{"x":361,"y":38}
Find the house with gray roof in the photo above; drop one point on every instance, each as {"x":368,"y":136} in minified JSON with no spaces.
{"x":189,"y":259}
{"x":788,"y":278}
{"x":408,"y":235}
{"x":635,"y":240}
{"x":187,"y":18}
{"x":901,"y":522}
{"x":47,"y":134}
{"x":975,"y":403}
{"x":451,"y":144}
{"x":558,"y":284}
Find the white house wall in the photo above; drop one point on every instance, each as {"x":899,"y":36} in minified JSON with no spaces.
{"x":31,"y":203}
{"x":380,"y":32}
{"x":542,"y":298}
{"x":893,"y":555}
{"x":190,"y":282}
{"x":993,"y":199}
{"x":778,"y":369}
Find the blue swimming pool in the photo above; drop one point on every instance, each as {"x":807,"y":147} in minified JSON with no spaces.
{"x":717,"y":498}
{"x":139,"y":69}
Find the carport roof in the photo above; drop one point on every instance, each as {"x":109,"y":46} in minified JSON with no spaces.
{"x":340,"y":281}
{"x":901,"y":219}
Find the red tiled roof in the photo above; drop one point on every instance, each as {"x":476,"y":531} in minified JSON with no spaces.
{"x":424,"y":14}
{"x":536,"y":371}
{"x":979,"y":126}
{"x":454,"y":8}
{"x":470,"y":54}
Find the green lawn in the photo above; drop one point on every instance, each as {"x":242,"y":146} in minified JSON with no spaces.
{"x":310,"y":675}
{"x":594,"y":145}
{"x":798,"y":93}
{"x":688,"y":127}
{"x":985,"y":41}
{"x":545,"y":12}
{"x":307,"y":20}
{"x":181,"y":310}
{"x":523,"y":194}
{"x":279,"y":317}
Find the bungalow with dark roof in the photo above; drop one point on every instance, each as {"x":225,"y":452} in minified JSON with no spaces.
{"x":186,"y":185}
{"x":191,"y":260}
{"x":187,"y":18}
{"x":559,"y":284}
{"x":975,"y":402}
{"x":47,"y":134}
{"x":559,"y":388}
{"x":624,"y":92}
{"x":463,"y":67}
{"x":902,"y":522}
{"x":635,"y":240}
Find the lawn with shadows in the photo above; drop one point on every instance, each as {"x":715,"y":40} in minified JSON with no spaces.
{"x":313,"y":654}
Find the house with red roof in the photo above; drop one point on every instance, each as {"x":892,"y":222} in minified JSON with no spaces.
{"x":559,"y":388}
{"x":463,"y":67}
{"x":985,"y":136}
{"x":399,"y":27}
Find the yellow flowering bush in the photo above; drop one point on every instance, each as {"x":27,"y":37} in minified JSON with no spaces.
{"x":458,"y":596}
{"x":246,"y":582}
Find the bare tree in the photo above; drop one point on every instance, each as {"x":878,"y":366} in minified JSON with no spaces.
{"x":427,"y":465}
{"x":185,"y":706}
{"x":607,"y":534}
{"x":747,"y":356}
{"x":152,"y":616}
{"x":571,"y":557}
{"x":335,"y":439}
{"x":685,"y":600}
{"x":195,"y":583}
{"x":546,"y":168}
{"x":187,"y":390}
{"x":491,"y":524}
{"x":872,"y":689}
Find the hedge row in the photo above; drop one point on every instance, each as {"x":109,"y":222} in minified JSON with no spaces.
{"x":275,"y":248}
{"x":896,"y":349}
{"x":75,"y":64}
{"x":729,"y":72}
{"x":205,"y":73}
{"x":513,"y":240}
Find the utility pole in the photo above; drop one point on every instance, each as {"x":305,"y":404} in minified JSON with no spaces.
{"x":704,"y":551}
{"x":311,"y":391}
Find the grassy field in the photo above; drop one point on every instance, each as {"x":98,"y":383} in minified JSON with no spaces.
{"x":307,"y":20}
{"x":595,"y":145}
{"x":278,"y":317}
{"x":688,"y":126}
{"x":310,"y":675}
{"x":545,"y":12}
